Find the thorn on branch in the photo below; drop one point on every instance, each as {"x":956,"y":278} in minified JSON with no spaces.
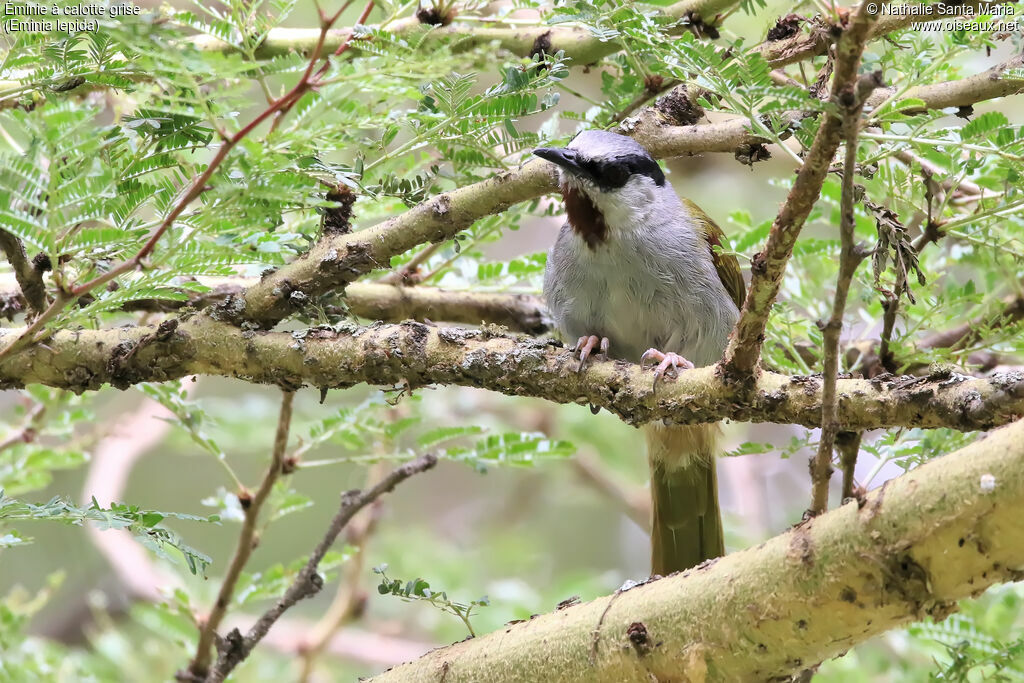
{"x":786,"y":27}
{"x":638,"y":638}
{"x":436,"y":15}
{"x":700,"y":28}
{"x":750,"y":153}
{"x":337,"y":220}
{"x":541,"y":46}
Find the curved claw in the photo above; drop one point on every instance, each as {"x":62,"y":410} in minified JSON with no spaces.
{"x":665,"y":361}
{"x":585,"y":345}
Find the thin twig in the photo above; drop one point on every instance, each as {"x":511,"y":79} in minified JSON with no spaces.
{"x":349,"y":599}
{"x":28,"y":432}
{"x":851,"y":255}
{"x":235,"y":648}
{"x":848,"y":445}
{"x":890,"y":307}
{"x":247,"y":540}
{"x":768,"y":267}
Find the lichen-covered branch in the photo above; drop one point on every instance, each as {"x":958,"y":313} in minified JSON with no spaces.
{"x":945,"y":531}
{"x":413,"y":355}
{"x":768,"y":267}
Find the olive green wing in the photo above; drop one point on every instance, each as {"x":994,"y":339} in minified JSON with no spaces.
{"x":726,"y":264}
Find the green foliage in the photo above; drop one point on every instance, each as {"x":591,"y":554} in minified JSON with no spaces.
{"x":190,"y":415}
{"x":372,"y":437}
{"x":142,"y":524}
{"x":40,"y":439}
{"x":513,"y":448}
{"x":272,"y":582}
{"x":419,"y":590}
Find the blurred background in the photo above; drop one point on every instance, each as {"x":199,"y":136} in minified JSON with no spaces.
{"x":525,"y":535}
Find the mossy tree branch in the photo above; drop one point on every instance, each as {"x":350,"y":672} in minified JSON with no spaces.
{"x":412,"y":355}
{"x":945,"y":531}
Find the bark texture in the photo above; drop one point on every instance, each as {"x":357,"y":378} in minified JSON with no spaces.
{"x":945,"y":531}
{"x":415,"y":355}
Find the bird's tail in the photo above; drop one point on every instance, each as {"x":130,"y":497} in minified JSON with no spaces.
{"x":686,"y":528}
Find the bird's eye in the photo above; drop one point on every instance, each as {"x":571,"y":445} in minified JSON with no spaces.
{"x":593,"y":168}
{"x":614,"y":175}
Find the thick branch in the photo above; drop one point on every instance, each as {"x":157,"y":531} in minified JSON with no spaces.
{"x":417,"y":355}
{"x":527,"y":313}
{"x":943,"y":532}
{"x":518,"y":312}
{"x":235,"y":648}
{"x":30,"y":279}
{"x":768,"y":267}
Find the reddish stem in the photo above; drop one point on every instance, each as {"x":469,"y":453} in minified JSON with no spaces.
{"x":281,"y":106}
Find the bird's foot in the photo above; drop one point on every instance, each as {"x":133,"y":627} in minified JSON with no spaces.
{"x":586,"y":344}
{"x":665,"y":361}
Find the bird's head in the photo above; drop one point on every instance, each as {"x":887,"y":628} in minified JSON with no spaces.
{"x":608,"y":181}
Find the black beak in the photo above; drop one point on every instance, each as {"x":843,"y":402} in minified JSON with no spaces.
{"x":566,"y":158}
